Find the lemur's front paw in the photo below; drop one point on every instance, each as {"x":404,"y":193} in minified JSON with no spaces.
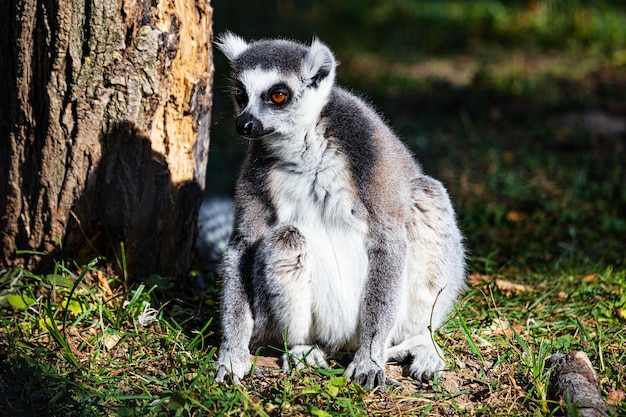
{"x":232,"y":367}
{"x":367,"y":373}
{"x":288,"y":238}
{"x":301,"y":355}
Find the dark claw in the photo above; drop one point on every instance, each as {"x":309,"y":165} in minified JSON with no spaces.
{"x":259,"y":371}
{"x":220,"y":376}
{"x":423,"y":377}
{"x":426,"y":377}
{"x":393,"y":382}
{"x":360,"y":379}
{"x":223,"y":376}
{"x":371,"y":380}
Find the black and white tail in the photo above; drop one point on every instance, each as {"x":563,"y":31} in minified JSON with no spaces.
{"x":215,"y":224}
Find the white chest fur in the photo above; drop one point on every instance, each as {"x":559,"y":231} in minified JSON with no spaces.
{"x":313,"y":190}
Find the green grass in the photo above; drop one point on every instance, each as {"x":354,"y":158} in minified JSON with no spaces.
{"x":70,"y":346}
{"x":542,"y":203}
{"x":555,"y":313}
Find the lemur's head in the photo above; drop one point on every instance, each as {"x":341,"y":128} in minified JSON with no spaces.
{"x":280,"y":86}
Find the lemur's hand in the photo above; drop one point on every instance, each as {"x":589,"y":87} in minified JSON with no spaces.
{"x":366,"y":372}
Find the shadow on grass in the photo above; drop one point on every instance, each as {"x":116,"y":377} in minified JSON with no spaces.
{"x":30,"y":385}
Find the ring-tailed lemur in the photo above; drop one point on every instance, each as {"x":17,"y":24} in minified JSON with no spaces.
{"x":340,"y":242}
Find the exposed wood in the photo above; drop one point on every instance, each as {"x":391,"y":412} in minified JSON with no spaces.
{"x":104,"y":131}
{"x":574,"y":381}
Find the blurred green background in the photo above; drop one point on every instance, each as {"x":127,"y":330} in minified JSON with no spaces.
{"x":519,"y":107}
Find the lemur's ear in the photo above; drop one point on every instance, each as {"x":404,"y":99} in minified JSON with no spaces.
{"x":231,"y":45}
{"x":319,"y":63}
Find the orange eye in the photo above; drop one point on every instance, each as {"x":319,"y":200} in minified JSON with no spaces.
{"x":278,"y":97}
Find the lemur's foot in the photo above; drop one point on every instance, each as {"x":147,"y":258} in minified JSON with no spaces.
{"x":232,"y":366}
{"x":426,"y":363}
{"x":300,"y":356}
{"x":426,"y":358}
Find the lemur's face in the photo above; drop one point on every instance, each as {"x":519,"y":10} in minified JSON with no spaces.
{"x":269,"y":102}
{"x":280,"y":87}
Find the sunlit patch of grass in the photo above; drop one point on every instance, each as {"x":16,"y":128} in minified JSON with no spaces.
{"x":515,"y":334}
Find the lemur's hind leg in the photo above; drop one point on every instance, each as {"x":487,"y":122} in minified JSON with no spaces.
{"x":436,"y":277}
{"x":284,"y":263}
{"x":424,"y":353}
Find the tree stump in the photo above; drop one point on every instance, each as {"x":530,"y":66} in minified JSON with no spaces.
{"x":104,"y":130}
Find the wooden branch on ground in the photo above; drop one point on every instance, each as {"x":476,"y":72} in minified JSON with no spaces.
{"x":574,"y":381}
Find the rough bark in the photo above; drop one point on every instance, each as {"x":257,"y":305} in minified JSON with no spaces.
{"x":104,"y":139}
{"x":574,"y":382}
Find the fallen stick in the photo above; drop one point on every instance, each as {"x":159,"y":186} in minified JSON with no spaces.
{"x":574,"y":381}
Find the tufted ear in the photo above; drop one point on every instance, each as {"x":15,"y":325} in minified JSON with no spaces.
{"x":231,"y":45}
{"x":319,"y":63}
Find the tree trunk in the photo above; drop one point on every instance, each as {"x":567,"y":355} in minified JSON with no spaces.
{"x":104,"y":130}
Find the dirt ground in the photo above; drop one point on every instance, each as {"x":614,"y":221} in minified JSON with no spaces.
{"x":466,"y":390}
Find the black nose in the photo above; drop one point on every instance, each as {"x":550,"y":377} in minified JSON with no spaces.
{"x":249,"y":126}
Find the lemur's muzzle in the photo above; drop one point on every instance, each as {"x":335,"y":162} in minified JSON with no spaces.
{"x":251,"y":127}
